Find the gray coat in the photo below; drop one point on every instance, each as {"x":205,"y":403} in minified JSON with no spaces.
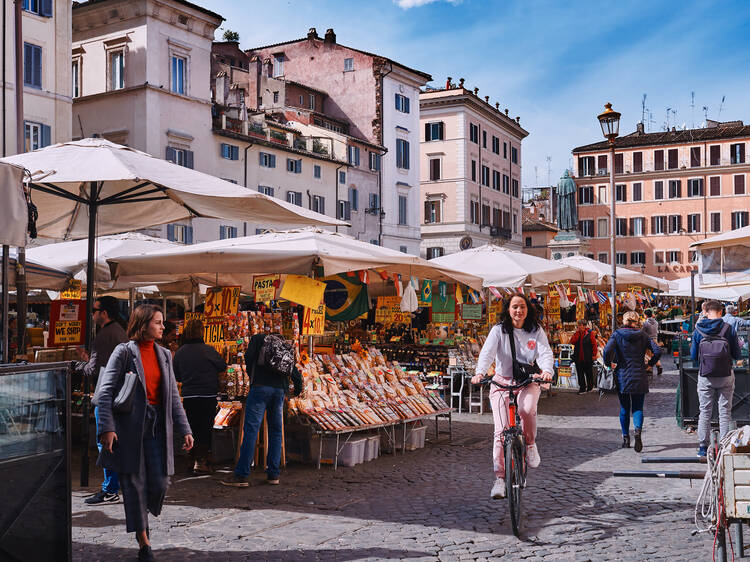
{"x":126,"y":455}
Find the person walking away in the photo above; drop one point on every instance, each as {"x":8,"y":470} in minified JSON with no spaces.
{"x":651,"y":329}
{"x":519,"y":321}
{"x":106,"y":318}
{"x":714,"y":345}
{"x":733,"y":320}
{"x":584,"y":353}
{"x":138,"y":443}
{"x":626,"y":353}
{"x":197,"y":366}
{"x":267,"y":391}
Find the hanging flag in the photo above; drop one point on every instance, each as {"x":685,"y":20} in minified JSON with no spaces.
{"x":426,"y":295}
{"x":532,"y":294}
{"x":364,"y":276}
{"x":383,"y":274}
{"x":397,"y":282}
{"x":495,"y":293}
{"x":459,"y":294}
{"x":351,"y":273}
{"x":442,"y":290}
{"x":345,"y":298}
{"x":474,"y":296}
{"x":520,"y":290}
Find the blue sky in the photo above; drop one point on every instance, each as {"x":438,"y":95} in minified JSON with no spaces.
{"x":552,"y":63}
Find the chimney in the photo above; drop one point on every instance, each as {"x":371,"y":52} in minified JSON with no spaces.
{"x":312,"y":33}
{"x":639,"y":128}
{"x":330,"y":36}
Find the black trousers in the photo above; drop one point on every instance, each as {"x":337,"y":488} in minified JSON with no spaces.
{"x":585,"y":373}
{"x":200,"y":414}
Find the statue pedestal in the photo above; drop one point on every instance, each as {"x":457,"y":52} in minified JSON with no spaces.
{"x":566,"y":244}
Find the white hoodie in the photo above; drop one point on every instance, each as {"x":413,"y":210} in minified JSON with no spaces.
{"x":530,"y":347}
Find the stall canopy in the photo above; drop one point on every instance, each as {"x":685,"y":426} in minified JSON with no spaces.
{"x":625,"y":277}
{"x":725,"y":259}
{"x":499,"y":267}
{"x":14,"y":216}
{"x":731,"y":293}
{"x":38,"y":275}
{"x":235,"y":261}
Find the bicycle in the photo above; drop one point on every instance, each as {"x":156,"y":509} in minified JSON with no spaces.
{"x":514,"y":445}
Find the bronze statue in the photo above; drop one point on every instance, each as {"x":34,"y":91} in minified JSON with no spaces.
{"x":567,"y":215}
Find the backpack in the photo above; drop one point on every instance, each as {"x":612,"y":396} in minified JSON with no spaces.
{"x":715,"y":359}
{"x":277,"y":355}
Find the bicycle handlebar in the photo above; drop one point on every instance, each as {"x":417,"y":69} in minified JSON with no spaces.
{"x":527,"y":382}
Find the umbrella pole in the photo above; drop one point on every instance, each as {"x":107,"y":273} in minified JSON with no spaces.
{"x":90,"y":266}
{"x":6,"y":310}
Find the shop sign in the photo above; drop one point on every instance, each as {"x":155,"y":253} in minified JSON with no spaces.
{"x":68,"y":333}
{"x":313,"y":321}
{"x":221,"y":301}
{"x":67,"y":322}
{"x":471,"y":311}
{"x":193,"y":316}
{"x":388,"y":311}
{"x":264,"y":287}
{"x":72,"y":291}
{"x":214,"y":334}
{"x":493,"y":313}
{"x":303,"y":290}
{"x":679,"y":268}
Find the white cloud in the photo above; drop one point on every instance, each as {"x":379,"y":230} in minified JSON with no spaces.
{"x":406,"y":4}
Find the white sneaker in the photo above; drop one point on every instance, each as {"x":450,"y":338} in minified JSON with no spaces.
{"x":498,"y":489}
{"x":532,"y":456}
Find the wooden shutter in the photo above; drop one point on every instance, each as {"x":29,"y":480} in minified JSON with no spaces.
{"x":679,"y":188}
{"x":739,"y":185}
{"x":171,"y":155}
{"x":742,"y":153}
{"x":631,"y":231}
{"x":658,"y":190}
{"x":427,"y":132}
{"x":658,"y":159}
{"x":695,"y":156}
{"x":715,"y":185}
{"x":45,"y":8}
{"x":580,"y":165}
{"x":441,"y":130}
{"x":602,"y":162}
{"x":618,"y":163}
{"x":170,"y":232}
{"x":189,"y":159}
{"x":653,"y":225}
{"x":672,"y":158}
{"x":715,"y":155}
{"x":37,"y":69}
{"x":28,"y":62}
{"x":679,"y":223}
{"x":46,"y":136}
{"x":637,"y":161}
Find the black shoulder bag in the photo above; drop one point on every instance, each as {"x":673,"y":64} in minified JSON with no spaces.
{"x":521,"y":371}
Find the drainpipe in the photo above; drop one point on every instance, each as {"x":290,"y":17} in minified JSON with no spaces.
{"x":21,"y":302}
{"x":480,"y":173}
{"x":380,"y":172}
{"x":336,"y":180}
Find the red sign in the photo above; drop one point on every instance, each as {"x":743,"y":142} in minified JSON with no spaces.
{"x":67,"y":324}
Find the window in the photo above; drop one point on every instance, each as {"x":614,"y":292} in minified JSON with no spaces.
{"x":294,"y":197}
{"x":586,"y":227}
{"x":674,"y":224}
{"x":515,"y":223}
{"x":474,"y":133}
{"x":714,"y":184}
{"x":740,"y":219}
{"x":484,"y":139}
{"x":434,"y":169}
{"x":495,"y":180}
{"x":434,"y":253}
{"x":619,"y":163}
{"x":658,"y":159}
{"x":675,"y":189}
{"x":506,"y":219}
{"x":637,"y":191}
{"x":621,"y":193}
{"x":695,"y":156}
{"x":621,"y":258}
{"x":276,"y":97}
{"x":506,"y":184}
{"x":180,"y":233}
{"x":402,"y":218}
{"x":432,"y":211}
{"x":485,"y":215}
{"x":621,"y":227}
{"x":267,"y":160}
{"x":265,"y":190}
{"x":117,"y":70}
{"x":602,"y":228}
{"x":38,"y":7}
{"x":637,"y":226}
{"x":637,"y":162}
{"x":36,"y":135}
{"x":527,"y":243}
{"x":658,"y":190}
{"x":474,"y":211}
{"x":374,"y":161}
{"x":278,"y":65}
{"x":348,"y":64}
{"x":230,"y":151}
{"x":694,"y":222}
{"x":715,"y":222}
{"x":180,"y":156}
{"x":342,"y":177}
{"x":505,"y":150}
{"x":294,"y":165}
{"x":311,"y":99}
{"x":737,"y":153}
{"x":658,"y":225}
{"x":227,"y":232}
{"x":586,"y":195}
{"x":75,"y":73}
{"x":495,"y":145}
{"x":601,"y":164}
{"x":672,"y":162}
{"x":586,"y":166}
{"x":402,"y":154}
{"x":695,"y":187}
{"x":32,"y":65}
{"x":674,"y":256}
{"x":434,"y":131}
{"x":603,"y":191}
{"x":354,"y":198}
{"x":301,"y":100}
{"x":514,"y":154}
{"x":739,"y":185}
{"x":319,"y":204}
{"x":316,"y":171}
{"x":659,"y":257}
{"x":485,"y":176}
{"x":473,"y":170}
{"x":496,"y":216}
{"x":514,"y":186}
{"x":402,"y":103}
{"x":603,"y":257}
{"x":715,"y":158}
{"x":353,"y":155}
{"x":692,"y":256}
{"x":638,"y":258}
{"x":179,"y":68}
{"x":343,"y":210}
{"x":403,"y":249}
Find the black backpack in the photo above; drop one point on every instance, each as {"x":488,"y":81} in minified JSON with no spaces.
{"x":277,"y":356}
{"x":714,"y":356}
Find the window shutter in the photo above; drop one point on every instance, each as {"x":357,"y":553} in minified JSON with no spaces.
{"x":406,"y":100}
{"x":441,"y":130}
{"x":46,"y":136}
{"x":45,"y":8}
{"x":223,"y":149}
{"x":170,"y":232}
{"x":406,"y":155}
{"x":427,"y":132}
{"x":235,"y":153}
{"x":189,"y":159}
{"x":632,"y":228}
{"x":188,"y":235}
{"x":298,"y":166}
{"x":742,"y":153}
{"x":679,"y":188}
{"x":37,"y":66}
{"x":170,"y":156}
{"x":398,"y":105}
{"x":679,"y":223}
{"x":653,"y":225}
{"x":273,"y":160}
{"x":28,"y":61}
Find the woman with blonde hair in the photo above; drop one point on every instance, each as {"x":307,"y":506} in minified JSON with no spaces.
{"x":626,"y":353}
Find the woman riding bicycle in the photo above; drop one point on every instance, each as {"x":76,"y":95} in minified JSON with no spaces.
{"x":518,"y":318}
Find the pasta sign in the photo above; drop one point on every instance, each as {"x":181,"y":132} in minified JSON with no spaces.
{"x":264,"y":287}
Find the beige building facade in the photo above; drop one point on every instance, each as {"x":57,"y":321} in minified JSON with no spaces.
{"x":672,"y":188}
{"x":470,"y":172}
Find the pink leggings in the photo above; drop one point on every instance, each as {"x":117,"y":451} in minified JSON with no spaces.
{"x":527,"y":399}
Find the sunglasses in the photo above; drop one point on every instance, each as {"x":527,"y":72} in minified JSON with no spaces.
{"x":97,"y":309}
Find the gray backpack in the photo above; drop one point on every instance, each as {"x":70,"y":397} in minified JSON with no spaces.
{"x":715,"y":359}
{"x":277,"y":355}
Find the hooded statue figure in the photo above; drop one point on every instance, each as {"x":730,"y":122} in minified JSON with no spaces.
{"x":567,"y":215}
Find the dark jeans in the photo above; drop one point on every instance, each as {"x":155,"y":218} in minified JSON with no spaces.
{"x":631,"y":403}
{"x":200,"y":414}
{"x":110,"y":484}
{"x":585,"y":372}
{"x":262,"y":399}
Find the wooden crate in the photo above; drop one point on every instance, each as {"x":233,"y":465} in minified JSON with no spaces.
{"x":737,"y":485}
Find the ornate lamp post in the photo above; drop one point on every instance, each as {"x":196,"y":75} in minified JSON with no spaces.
{"x":610,"y":122}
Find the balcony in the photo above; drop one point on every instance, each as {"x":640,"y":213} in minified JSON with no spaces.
{"x":319,"y":148}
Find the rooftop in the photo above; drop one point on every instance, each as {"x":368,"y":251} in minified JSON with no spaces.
{"x":201,"y":9}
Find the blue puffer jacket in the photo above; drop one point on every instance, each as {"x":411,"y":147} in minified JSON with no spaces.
{"x":627,"y":349}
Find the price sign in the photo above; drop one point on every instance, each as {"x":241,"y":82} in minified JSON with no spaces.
{"x":221,"y":301}
{"x":193,"y":316}
{"x":72,"y":291}
{"x":214,"y":334}
{"x":388,"y":311}
{"x":264,"y":287}
{"x":67,"y":321}
{"x":471,"y":311}
{"x":313,"y":321}
{"x":493,"y":313}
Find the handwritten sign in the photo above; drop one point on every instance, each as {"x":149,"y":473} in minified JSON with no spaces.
{"x":388,"y":311}
{"x":303,"y":290}
{"x":264,"y":287}
{"x":493,"y":313}
{"x":313,"y":321}
{"x":72,"y":291}
{"x":67,"y":321}
{"x":193,"y":316}
{"x":214,"y":334}
{"x":471,"y":311}
{"x":221,"y":301}
{"x":68,"y":333}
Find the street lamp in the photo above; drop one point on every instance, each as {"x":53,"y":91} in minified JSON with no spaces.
{"x":610,"y":123}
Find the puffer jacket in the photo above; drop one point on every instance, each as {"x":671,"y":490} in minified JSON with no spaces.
{"x":627,"y":349}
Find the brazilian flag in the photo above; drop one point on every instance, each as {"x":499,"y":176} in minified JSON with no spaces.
{"x":425,"y":297}
{"x":345,"y":298}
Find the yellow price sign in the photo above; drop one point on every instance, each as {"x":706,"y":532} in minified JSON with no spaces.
{"x":313,"y":321}
{"x":68,"y":332}
{"x":221,"y":301}
{"x":303,"y":290}
{"x":388,"y":311}
{"x":72,"y":291}
{"x":264,"y":287}
{"x":214,"y":334}
{"x":193,"y":316}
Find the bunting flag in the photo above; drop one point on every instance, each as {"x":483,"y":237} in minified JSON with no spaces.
{"x":520,"y":290}
{"x":442,"y":290}
{"x":532,"y":294}
{"x":383,"y":274}
{"x":495,"y":293}
{"x":345,"y":298}
{"x":474,"y":296}
{"x":364,"y":276}
{"x":581,"y":294}
{"x":426,"y":296}
{"x":601,"y":297}
{"x":459,"y":294}
{"x":508,"y":291}
{"x":397,"y":282}
{"x":351,"y":274}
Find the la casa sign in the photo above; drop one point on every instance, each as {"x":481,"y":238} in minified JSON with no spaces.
{"x":678,"y":268}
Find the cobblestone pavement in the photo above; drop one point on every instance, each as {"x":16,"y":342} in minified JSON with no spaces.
{"x":433,"y":504}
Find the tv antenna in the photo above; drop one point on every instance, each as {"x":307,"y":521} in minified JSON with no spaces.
{"x":536,"y":176}
{"x":692,"y":110}
{"x":705,"y":113}
{"x":651,"y":120}
{"x":643,"y":109}
{"x":549,"y":170}
{"x":721,"y":106}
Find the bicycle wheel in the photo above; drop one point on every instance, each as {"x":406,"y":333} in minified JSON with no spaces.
{"x":514,"y":475}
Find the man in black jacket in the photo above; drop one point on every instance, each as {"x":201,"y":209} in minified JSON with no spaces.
{"x":266,"y":394}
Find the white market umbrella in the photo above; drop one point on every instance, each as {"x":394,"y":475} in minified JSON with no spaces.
{"x":499,"y":267}
{"x":725,"y":258}
{"x":731,"y":293}
{"x":234,"y":261}
{"x":625,"y":277}
{"x":39,"y":275}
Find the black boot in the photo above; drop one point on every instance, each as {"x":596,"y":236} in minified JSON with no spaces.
{"x":638,"y":447}
{"x":626,"y":441}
